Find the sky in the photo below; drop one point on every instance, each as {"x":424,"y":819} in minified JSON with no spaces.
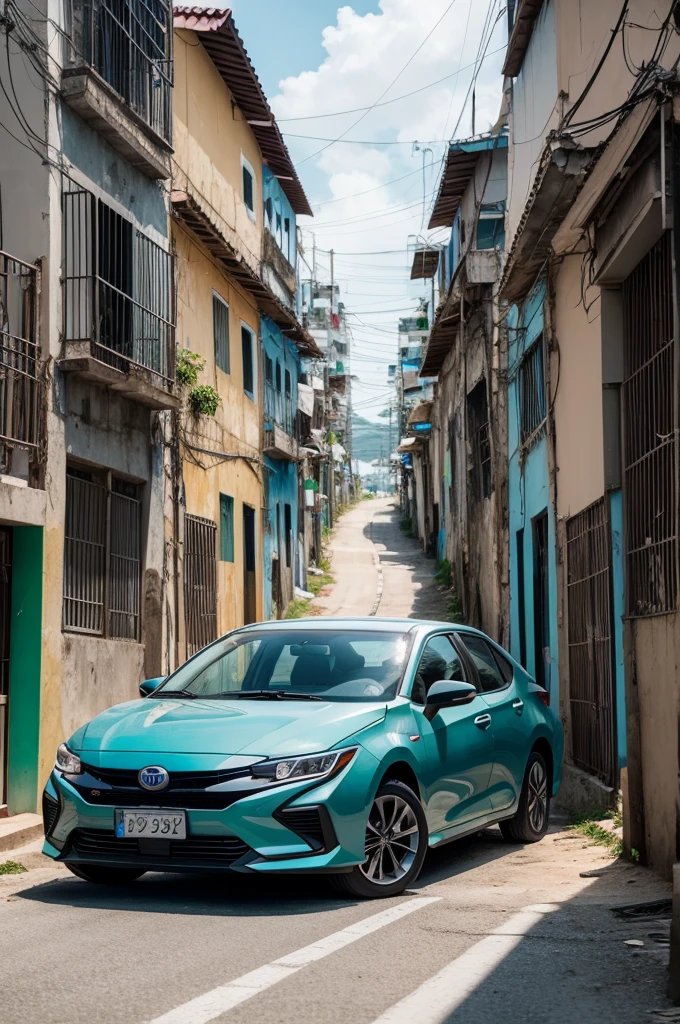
{"x":372,"y":191}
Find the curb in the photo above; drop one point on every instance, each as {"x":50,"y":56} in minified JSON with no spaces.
{"x":381,"y":577}
{"x":20,"y":836}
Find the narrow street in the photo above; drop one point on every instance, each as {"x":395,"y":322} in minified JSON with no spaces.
{"x":490,"y":931}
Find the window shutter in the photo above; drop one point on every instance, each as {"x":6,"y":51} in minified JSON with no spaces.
{"x":226,"y":528}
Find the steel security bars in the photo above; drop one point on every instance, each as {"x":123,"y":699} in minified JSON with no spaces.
{"x":650,"y":435}
{"x":200,"y":582}
{"x":118,"y":289}
{"x":591,"y":668}
{"x":129,"y":44}
{"x":19,"y":360}
{"x":102,"y":555}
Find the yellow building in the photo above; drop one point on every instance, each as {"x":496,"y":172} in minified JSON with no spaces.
{"x":223,"y":133}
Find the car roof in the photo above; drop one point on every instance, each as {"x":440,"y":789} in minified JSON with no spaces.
{"x":365,"y":622}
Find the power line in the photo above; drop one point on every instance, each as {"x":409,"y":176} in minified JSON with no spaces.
{"x":383,"y":94}
{"x":384,"y":103}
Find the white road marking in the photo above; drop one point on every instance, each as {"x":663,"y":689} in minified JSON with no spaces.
{"x":447,"y":991}
{"x":212,"y":1004}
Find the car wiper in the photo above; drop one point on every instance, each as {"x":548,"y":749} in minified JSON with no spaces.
{"x":266,"y":695}
{"x":163,"y":694}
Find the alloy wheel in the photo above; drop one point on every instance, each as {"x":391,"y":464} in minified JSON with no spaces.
{"x":537,"y":806}
{"x":392,"y":839}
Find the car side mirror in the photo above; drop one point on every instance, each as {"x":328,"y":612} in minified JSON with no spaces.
{"x":149,"y":685}
{"x":448,"y":693}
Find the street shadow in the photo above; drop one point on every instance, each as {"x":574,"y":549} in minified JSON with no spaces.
{"x":400,"y":552}
{"x":236,"y":895}
{"x":581,"y":962}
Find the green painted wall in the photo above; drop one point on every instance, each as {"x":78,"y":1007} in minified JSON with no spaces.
{"x":24,"y":670}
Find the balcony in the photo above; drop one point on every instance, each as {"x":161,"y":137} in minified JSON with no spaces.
{"x":280,"y":441}
{"x":20,"y":391}
{"x":118,"y":304}
{"x":118,"y":77}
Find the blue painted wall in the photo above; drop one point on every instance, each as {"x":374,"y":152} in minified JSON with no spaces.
{"x":280,"y":206}
{"x":280,"y":476}
{"x":529,"y":497}
{"x":616,"y":515}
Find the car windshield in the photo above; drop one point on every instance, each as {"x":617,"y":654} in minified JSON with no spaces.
{"x":335,"y":665}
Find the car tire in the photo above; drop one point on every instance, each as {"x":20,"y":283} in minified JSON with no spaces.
{"x":530,"y":823}
{"x":396,"y":812}
{"x":101,"y":875}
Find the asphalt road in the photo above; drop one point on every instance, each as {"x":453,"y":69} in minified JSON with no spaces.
{"x":490,"y":933}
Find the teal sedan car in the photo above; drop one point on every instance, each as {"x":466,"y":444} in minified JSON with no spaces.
{"x":343,"y":747}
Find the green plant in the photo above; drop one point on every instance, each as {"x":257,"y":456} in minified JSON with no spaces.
{"x":11,"y":867}
{"x":407,"y":526}
{"x":189,"y":365}
{"x":203,"y":400}
{"x":589,"y":827}
{"x":444,"y":573}
{"x":454,"y":612}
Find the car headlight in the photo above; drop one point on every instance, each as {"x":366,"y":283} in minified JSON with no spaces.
{"x":66,"y":761}
{"x":313,"y":766}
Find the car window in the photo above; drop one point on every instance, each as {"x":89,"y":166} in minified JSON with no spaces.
{"x":490,"y":675}
{"x":507,"y":671}
{"x":438,"y":661}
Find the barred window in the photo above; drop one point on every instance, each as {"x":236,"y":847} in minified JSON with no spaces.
{"x":532,"y":404}
{"x":221,"y":332}
{"x":102,"y":555}
{"x":248,"y":363}
{"x":478,"y":432}
{"x":200,"y":582}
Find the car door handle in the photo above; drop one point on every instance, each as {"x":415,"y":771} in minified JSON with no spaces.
{"x":483,"y":721}
{"x":518,"y":705}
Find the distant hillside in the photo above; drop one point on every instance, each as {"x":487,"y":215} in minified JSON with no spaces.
{"x":368,"y":437}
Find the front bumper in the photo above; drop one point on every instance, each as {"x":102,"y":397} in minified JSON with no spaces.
{"x":289,"y":827}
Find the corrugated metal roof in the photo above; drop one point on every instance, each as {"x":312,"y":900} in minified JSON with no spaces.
{"x":425,"y":263}
{"x":522,"y":30}
{"x":460,"y":166}
{"x":227,"y":52}
{"x":186,"y":209}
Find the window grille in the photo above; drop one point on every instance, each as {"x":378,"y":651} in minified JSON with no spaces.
{"x":649,"y":435}
{"x":19,"y":382}
{"x":118,"y":288}
{"x":591,"y":673}
{"x":478,"y":432}
{"x":226,"y":528}
{"x":102,"y":555}
{"x":129,"y":44}
{"x":532,"y":393}
{"x":221,"y":332}
{"x":200,"y":582}
{"x":248,"y":368}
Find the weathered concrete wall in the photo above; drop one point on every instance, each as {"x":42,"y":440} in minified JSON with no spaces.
{"x":209,"y":136}
{"x":577,"y":398}
{"x":236,"y":427}
{"x":96,"y":675}
{"x":657,"y":670}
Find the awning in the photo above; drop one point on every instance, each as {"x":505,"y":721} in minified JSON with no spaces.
{"x":559,"y":178}
{"x":410,"y":444}
{"x":610,"y":164}
{"x":420,"y":414}
{"x":306,"y":399}
{"x":425,"y":263}
{"x":525,"y":15}
{"x":460,"y":166}
{"x":188,"y":209}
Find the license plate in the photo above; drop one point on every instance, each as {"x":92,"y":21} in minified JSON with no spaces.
{"x":152,"y":825}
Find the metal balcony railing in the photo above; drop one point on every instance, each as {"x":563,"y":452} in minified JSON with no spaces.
{"x":129,"y":44}
{"x":118,"y":289}
{"x":19,"y":359}
{"x":278,"y":408}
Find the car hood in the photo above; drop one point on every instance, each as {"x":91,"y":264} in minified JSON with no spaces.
{"x":258,"y":728}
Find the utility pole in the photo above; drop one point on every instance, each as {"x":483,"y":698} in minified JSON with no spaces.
{"x":331,"y":489}
{"x":474,"y":106}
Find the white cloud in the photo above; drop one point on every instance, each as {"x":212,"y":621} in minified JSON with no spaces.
{"x":364,"y":56}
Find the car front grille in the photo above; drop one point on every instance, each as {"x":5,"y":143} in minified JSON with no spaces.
{"x":100,"y":843}
{"x":308,"y":823}
{"x":50,"y":810}
{"x":119,"y":787}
